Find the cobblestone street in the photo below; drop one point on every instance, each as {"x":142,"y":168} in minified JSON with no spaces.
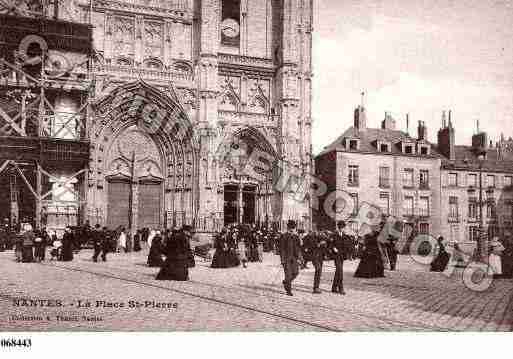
{"x":243,"y":299}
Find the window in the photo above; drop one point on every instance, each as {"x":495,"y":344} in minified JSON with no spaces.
{"x":472,"y":208}
{"x":472,"y":180}
{"x":383,"y":147}
{"x":424,"y":228}
{"x":352,"y":179}
{"x":384,"y":177}
{"x":384,"y":203}
{"x":424,"y":150}
{"x":424,"y":179}
{"x":473,"y":233}
{"x":353,"y":145}
{"x":508,"y":181}
{"x":453,"y":179}
{"x":424,"y":206}
{"x":408,"y":177}
{"x":355,"y":203}
{"x":490,"y":180}
{"x":453,"y":208}
{"x":408,"y":206}
{"x":408,"y":149}
{"x":490,"y":209}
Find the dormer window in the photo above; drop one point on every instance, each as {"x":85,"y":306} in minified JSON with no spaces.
{"x":352,"y":144}
{"x":408,"y":147}
{"x":423,"y":149}
{"x":383,"y":146}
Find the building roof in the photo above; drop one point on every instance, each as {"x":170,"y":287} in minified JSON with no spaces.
{"x":466,"y":158}
{"x":497,"y":160}
{"x":368,"y":138}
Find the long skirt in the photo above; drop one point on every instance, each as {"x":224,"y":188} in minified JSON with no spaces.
{"x":174,"y":269}
{"x":67,"y":253}
{"x":439,"y":264}
{"x":225,"y":259}
{"x":27,"y":254}
{"x":371,"y":265}
{"x":155,"y":258}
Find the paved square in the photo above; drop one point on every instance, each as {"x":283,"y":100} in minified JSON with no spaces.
{"x":240,"y":299}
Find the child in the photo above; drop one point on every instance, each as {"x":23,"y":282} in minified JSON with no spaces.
{"x":55,"y":252}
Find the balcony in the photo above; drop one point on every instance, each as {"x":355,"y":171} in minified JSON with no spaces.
{"x":454,"y":218}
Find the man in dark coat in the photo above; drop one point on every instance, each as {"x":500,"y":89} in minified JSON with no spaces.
{"x":338,"y":249}
{"x":98,"y":239}
{"x":290,"y":253}
{"x":316,"y":251}
{"x":392,"y":252}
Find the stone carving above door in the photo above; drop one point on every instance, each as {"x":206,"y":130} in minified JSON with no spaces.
{"x":131,"y":147}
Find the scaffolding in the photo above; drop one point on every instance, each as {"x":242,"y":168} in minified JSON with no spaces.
{"x":45,"y":110}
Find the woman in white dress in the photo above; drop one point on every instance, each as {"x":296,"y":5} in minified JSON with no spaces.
{"x":122,"y":241}
{"x":494,"y":259}
{"x":151,"y":236}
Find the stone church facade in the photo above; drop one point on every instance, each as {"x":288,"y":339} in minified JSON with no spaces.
{"x":174,"y":83}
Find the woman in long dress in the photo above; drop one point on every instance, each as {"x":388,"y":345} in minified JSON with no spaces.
{"x":371,"y":265}
{"x":156,"y":250}
{"x":28,"y":236}
{"x":176,"y":265}
{"x":220,"y":255}
{"x":67,"y":245}
{"x":439,"y":264}
{"x":494,"y":259}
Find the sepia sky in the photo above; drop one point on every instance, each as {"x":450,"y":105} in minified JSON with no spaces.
{"x":413,"y":56}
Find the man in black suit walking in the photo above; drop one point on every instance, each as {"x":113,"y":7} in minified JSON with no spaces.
{"x":290,"y":252}
{"x":339,"y":245}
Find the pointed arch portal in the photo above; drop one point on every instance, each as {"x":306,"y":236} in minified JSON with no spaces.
{"x":146,"y":158}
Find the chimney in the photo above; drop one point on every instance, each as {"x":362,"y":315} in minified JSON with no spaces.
{"x":480,"y":139}
{"x":360,"y":118}
{"x":446,"y":139}
{"x":388,"y":122}
{"x":422,"y":131}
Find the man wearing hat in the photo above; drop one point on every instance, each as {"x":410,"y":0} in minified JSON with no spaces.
{"x":290,"y":252}
{"x":338,"y":248}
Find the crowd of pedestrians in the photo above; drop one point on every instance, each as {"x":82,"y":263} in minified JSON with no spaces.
{"x":240,"y":245}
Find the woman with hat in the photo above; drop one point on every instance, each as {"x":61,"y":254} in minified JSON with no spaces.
{"x":439,"y":264}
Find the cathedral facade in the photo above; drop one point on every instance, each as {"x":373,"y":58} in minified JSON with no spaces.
{"x":180,"y":93}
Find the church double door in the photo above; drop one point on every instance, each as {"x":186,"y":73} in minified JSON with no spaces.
{"x":134,"y":204}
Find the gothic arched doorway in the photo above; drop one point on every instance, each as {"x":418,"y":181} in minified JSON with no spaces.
{"x":134,"y":181}
{"x":144,"y":167}
{"x":248,"y":195}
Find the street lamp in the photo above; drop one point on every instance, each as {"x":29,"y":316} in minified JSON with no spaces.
{"x":481,"y":242}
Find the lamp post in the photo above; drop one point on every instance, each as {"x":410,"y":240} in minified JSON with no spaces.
{"x":481,"y":248}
